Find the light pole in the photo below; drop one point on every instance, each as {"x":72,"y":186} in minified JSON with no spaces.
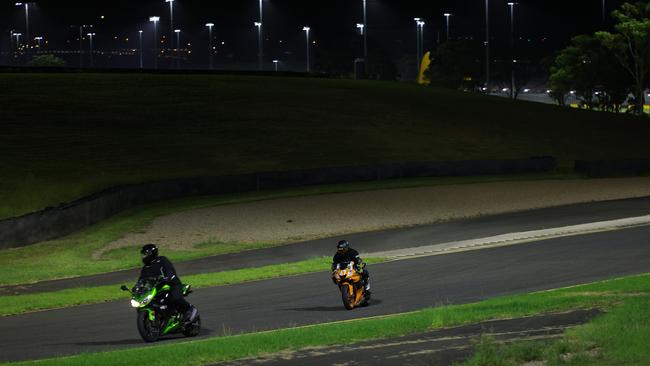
{"x":447,"y":15}
{"x":141,"y":56}
{"x":210,"y":50}
{"x":17,"y":35}
{"x":155,"y":21}
{"x":171,"y":24}
{"x":260,"y":40}
{"x":38,"y":41}
{"x":306,"y":30}
{"x":604,"y":13}
{"x":512,"y":49}
{"x":26,"y":20}
{"x":361,"y":27}
{"x":260,"y":58}
{"x":364,"y":32}
{"x":419,"y":24}
{"x":178,"y":48}
{"x":90,"y":37}
{"x":11,"y":44}
{"x":275,"y":63}
{"x":81,"y":44}
{"x":487,"y":46}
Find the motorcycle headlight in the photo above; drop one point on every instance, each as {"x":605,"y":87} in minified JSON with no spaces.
{"x":145,"y":301}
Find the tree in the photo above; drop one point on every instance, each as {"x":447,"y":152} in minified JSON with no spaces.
{"x":47,"y":61}
{"x":456,"y":64}
{"x":631,"y":45}
{"x":591,"y":70}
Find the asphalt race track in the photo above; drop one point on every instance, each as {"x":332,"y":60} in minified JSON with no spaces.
{"x":369,"y":242}
{"x":397,"y":287}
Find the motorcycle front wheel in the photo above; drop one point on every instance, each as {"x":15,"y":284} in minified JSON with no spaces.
{"x":347,"y":295}
{"x":193,"y":329}
{"x":149,"y":330}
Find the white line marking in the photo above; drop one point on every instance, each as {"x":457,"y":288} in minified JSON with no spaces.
{"x":512,"y":238}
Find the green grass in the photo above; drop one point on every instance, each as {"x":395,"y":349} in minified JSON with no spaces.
{"x":611,"y":295}
{"x":620,"y":337}
{"x":64,"y":136}
{"x":72,"y":256}
{"x":11,"y":305}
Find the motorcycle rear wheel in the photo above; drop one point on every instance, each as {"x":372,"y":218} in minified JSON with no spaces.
{"x":149,"y":330}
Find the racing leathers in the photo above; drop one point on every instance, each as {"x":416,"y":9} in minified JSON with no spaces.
{"x":161,"y":268}
{"x":352,"y":255}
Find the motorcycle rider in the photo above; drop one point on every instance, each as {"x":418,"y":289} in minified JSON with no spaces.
{"x":345,"y":254}
{"x":159,"y":267}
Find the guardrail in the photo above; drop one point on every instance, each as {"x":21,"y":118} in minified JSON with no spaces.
{"x":56,"y":222}
{"x":613,"y":168}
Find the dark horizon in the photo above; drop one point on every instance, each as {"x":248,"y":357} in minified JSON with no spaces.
{"x":544,"y":25}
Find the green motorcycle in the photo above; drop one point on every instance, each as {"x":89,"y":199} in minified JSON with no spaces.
{"x":155,"y":318}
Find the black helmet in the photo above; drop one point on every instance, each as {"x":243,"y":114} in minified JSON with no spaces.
{"x":343,"y":246}
{"x":149,"y":252}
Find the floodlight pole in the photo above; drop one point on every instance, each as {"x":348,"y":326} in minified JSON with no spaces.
{"x":90,"y":37}
{"x":27,"y":39}
{"x":260,"y":38}
{"x":512,"y":49}
{"x":210,"y":25}
{"x":447,"y":16}
{"x":307,"y":29}
{"x":141,"y":56}
{"x":171,"y":24}
{"x":155,"y":21}
{"x":365,"y":32}
{"x":178,"y":48}
{"x":487,"y":46}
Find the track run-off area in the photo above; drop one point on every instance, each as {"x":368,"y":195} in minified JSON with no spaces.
{"x":398,"y":286}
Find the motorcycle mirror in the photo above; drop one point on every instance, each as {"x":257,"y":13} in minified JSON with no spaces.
{"x":124,"y":288}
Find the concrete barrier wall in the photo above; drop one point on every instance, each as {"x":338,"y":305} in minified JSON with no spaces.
{"x":56,"y":222}
{"x":613,"y":168}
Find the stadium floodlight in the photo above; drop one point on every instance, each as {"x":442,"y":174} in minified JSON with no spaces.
{"x":306,"y":29}
{"x":210,"y":50}
{"x":447,"y":16}
{"x":155,"y":20}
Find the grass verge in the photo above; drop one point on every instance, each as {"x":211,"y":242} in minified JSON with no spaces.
{"x":11,"y":305}
{"x":72,"y":256}
{"x":620,"y":337}
{"x":612,"y":295}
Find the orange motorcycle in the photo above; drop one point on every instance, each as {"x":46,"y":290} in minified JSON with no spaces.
{"x":349,"y":281}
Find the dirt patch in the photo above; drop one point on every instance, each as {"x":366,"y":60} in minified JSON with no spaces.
{"x":303,"y":218}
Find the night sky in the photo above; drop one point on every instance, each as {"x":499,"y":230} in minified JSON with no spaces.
{"x":390,"y":24}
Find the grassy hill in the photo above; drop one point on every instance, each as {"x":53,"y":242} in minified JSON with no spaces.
{"x":65,"y":136}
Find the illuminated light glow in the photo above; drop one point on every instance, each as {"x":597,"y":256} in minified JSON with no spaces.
{"x":154,"y":19}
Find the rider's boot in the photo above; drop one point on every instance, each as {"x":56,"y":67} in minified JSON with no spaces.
{"x":190,"y":315}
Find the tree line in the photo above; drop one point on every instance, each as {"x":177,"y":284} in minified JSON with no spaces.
{"x":605,"y":70}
